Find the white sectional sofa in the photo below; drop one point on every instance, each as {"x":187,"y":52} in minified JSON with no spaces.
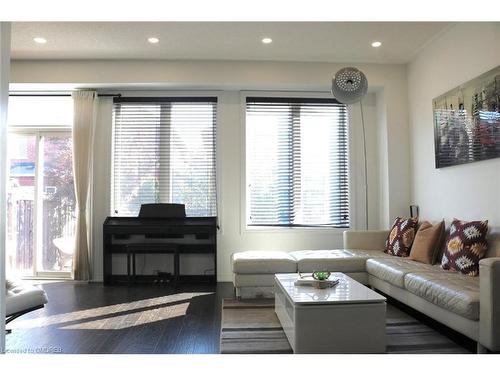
{"x":469,"y":305}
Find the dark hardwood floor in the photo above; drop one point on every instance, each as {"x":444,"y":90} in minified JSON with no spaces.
{"x":138,"y":319}
{"x":91,"y":318}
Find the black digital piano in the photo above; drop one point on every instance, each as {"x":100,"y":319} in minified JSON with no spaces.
{"x":159,"y":235}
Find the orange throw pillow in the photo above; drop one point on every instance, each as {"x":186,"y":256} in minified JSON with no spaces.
{"x":426,"y":243}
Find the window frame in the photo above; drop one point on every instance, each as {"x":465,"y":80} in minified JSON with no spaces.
{"x":245,"y":199}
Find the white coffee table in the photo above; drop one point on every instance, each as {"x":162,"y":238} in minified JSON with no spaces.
{"x":348,"y":318}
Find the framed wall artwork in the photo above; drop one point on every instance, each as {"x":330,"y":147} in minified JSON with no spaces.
{"x":467,"y":121}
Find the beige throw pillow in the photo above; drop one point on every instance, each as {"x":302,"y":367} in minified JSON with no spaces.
{"x":426,"y":243}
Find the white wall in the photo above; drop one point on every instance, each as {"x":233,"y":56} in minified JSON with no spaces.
{"x":385,"y":114}
{"x":469,"y":191}
{"x":4,"y":96}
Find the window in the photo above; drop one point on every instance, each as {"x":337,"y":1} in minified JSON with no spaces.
{"x":40,"y":189}
{"x":297,"y":162}
{"x":164,"y":152}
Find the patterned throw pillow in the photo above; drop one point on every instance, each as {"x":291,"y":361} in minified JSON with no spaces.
{"x":401,"y":236}
{"x":465,"y":246}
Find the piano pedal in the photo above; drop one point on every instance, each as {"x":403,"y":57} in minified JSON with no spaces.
{"x":163,"y":278}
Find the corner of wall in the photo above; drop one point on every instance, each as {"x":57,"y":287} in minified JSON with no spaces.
{"x":4,"y":97}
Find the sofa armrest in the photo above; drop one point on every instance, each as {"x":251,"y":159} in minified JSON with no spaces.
{"x":365,"y":239}
{"x":489,"y":303}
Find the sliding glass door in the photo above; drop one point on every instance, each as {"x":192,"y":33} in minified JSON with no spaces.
{"x":21,"y":185}
{"x":40,"y":204}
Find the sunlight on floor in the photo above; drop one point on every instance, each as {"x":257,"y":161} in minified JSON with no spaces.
{"x":128,"y":320}
{"x":118,"y":316}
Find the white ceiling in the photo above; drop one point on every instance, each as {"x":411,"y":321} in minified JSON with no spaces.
{"x":292,"y":41}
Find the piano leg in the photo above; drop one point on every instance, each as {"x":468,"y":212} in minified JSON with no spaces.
{"x":176,"y":266}
{"x":133,"y":267}
{"x":128,"y":266}
{"x":107,"y":266}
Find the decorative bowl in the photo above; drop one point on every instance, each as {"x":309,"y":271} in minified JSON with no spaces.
{"x":321,"y":275}
{"x":322,"y":279}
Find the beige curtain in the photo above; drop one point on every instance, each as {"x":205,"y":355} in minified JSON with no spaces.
{"x":84,"y":103}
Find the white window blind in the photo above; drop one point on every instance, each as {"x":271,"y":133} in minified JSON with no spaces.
{"x":297,"y":162}
{"x":164,"y":152}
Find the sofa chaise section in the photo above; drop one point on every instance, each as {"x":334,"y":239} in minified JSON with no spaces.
{"x":253,"y":271}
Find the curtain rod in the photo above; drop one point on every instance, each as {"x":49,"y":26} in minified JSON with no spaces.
{"x":111,"y":95}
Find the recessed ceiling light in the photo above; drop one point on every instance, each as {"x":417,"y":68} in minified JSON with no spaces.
{"x":40,"y":40}
{"x":153,"y":40}
{"x":376,"y":44}
{"x":267,"y":40}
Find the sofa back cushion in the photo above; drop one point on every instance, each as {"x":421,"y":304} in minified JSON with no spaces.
{"x":401,"y":236}
{"x":425,"y":246}
{"x":465,"y":246}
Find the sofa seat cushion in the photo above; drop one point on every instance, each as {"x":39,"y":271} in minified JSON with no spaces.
{"x":452,"y":291}
{"x":394,"y":269}
{"x":328,"y":260}
{"x":259,"y":262}
{"x":22,"y":296}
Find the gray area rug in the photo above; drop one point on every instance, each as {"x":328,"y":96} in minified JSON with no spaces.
{"x":252,"y":327}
